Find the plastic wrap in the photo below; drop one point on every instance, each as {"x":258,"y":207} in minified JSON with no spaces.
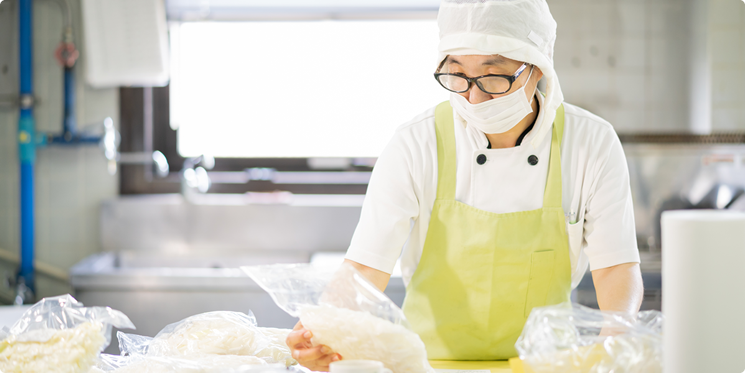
{"x":58,"y":334}
{"x":574,"y":338}
{"x":346,"y":312}
{"x":212,"y":340}
{"x":277,"y":336}
{"x":198,"y":363}
{"x":133,"y":344}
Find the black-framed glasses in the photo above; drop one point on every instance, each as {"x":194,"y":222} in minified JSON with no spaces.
{"x":491,"y":84}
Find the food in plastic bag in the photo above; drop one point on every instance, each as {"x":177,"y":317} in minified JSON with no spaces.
{"x":346,"y":312}
{"x":574,"y":338}
{"x":58,"y":334}
{"x":213,"y":333}
{"x":359,"y":335}
{"x":276,"y":335}
{"x":65,"y":350}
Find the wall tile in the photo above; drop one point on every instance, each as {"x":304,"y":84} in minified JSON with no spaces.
{"x":726,"y":86}
{"x":629,"y":120}
{"x":727,"y":118}
{"x":727,"y":44}
{"x":633,"y":18}
{"x":726,"y":47}
{"x":70,"y":181}
{"x":726,"y":14}
{"x":667,"y":18}
{"x":630,"y":54}
{"x":602,"y":18}
{"x":631,"y":87}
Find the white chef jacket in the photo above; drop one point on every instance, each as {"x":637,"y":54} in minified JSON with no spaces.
{"x":596,"y":195}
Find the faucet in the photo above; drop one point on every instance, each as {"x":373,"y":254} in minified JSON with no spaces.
{"x":110,"y":145}
{"x":194,"y":180}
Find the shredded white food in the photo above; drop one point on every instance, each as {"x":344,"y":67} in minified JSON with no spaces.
{"x":71,"y":350}
{"x":277,"y":336}
{"x":360,"y":335}
{"x":221,"y":333}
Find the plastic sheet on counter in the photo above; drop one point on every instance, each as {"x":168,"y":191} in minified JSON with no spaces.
{"x":58,"y":334}
{"x":185,"y":364}
{"x":346,"y":312}
{"x":573,"y":338}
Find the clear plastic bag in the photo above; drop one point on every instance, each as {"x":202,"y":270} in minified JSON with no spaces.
{"x":198,"y":363}
{"x":133,"y":344}
{"x":58,"y":334}
{"x":574,"y":338}
{"x":346,"y":312}
{"x":220,"y":333}
{"x":108,"y":362}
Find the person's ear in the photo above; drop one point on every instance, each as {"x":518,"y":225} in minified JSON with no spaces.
{"x":537,"y":75}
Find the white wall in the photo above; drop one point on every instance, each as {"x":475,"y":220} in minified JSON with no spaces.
{"x":625,"y":60}
{"x":630,"y":61}
{"x":727,"y":46}
{"x":70,"y":181}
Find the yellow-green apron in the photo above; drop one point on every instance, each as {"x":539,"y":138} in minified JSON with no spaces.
{"x":480,"y":272}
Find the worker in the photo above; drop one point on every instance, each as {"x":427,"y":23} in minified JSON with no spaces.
{"x":497,"y":200}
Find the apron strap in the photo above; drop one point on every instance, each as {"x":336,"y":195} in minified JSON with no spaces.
{"x":552,"y":195}
{"x":445,"y":151}
{"x":446,"y":158}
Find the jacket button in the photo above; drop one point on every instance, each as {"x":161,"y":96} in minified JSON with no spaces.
{"x":533,"y":160}
{"x":481,"y":159}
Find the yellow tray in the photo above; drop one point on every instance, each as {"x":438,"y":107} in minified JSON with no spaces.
{"x":512,"y":366}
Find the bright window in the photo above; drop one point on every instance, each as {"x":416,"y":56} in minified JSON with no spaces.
{"x":299,"y":89}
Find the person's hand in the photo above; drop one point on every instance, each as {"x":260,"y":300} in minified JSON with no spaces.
{"x":316,"y":358}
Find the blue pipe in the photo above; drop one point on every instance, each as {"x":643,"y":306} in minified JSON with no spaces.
{"x":26,"y":143}
{"x":68,"y":126}
{"x":70,"y":135}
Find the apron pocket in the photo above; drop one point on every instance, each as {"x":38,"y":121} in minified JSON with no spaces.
{"x":541,"y":272}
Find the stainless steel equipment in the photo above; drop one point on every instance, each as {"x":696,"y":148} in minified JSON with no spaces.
{"x":681,"y":176}
{"x":670,"y":173}
{"x":216,"y":224}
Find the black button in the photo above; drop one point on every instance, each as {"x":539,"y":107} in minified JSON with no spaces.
{"x":481,"y":159}
{"x":533,"y":160}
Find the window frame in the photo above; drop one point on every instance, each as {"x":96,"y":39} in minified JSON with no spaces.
{"x":134,"y":179}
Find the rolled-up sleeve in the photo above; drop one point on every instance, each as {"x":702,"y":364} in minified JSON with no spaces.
{"x":390,"y":205}
{"x":609,"y":230}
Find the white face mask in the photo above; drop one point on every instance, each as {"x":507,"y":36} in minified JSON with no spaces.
{"x":497,"y":115}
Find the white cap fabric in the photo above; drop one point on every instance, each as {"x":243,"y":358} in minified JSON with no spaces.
{"x":522,"y":30}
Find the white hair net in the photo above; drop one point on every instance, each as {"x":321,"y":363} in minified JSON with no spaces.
{"x":522,"y":30}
